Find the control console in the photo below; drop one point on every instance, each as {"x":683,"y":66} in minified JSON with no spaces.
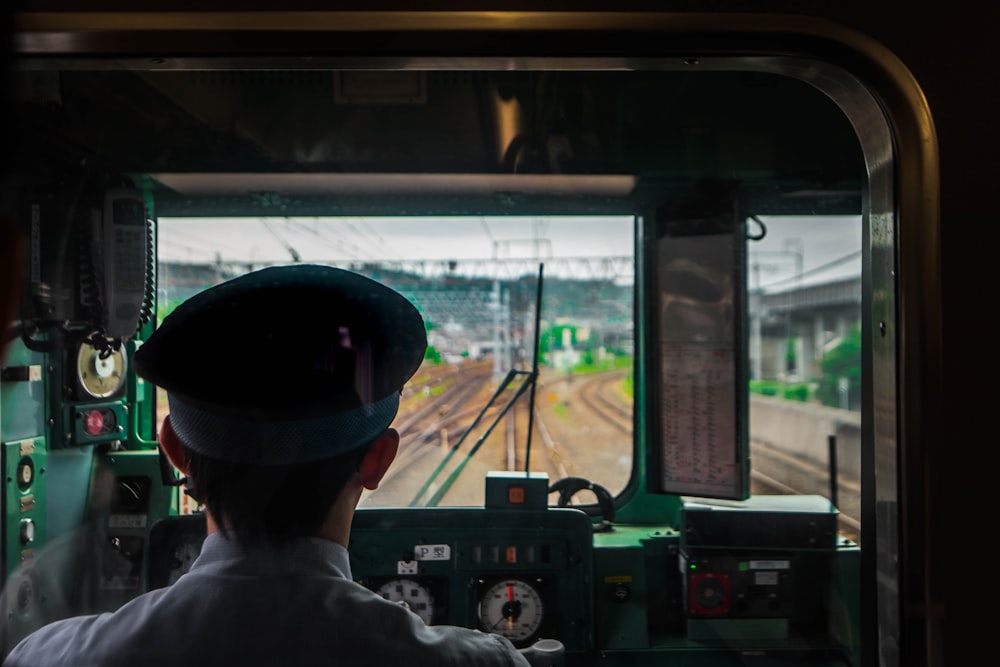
{"x":524,"y":574}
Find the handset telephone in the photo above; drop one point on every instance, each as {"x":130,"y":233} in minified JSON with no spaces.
{"x":121,"y":260}
{"x":92,"y":263}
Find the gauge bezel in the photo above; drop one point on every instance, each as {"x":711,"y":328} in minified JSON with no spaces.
{"x":427,"y":614}
{"x":436,"y":588}
{"x":90,"y":382}
{"x":535,"y":585}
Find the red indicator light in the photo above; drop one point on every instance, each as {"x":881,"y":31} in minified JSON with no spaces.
{"x":98,"y":422}
{"x":515,"y":495}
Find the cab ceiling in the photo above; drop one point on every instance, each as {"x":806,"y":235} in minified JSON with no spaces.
{"x":326,"y":142}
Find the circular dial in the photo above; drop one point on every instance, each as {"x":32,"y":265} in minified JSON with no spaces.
{"x":100,"y":377}
{"x":25,"y":473}
{"x":410,"y":594}
{"x":512,"y":608}
{"x":27,"y":531}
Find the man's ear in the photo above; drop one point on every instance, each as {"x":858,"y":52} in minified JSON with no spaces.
{"x":378,"y":458}
{"x":172,"y":447}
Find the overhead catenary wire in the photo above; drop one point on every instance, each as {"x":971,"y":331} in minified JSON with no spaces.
{"x":197,"y":245}
{"x":291,"y":251}
{"x":384,"y":249}
{"x":343,"y":235}
{"x":815,"y":270}
{"x":348,"y":251}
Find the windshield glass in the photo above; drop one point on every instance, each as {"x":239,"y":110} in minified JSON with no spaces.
{"x":475,"y":280}
{"x":804,"y":352}
{"x":476,"y":283}
{"x":464,"y":190}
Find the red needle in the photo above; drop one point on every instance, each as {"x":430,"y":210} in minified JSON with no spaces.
{"x":510,"y":598}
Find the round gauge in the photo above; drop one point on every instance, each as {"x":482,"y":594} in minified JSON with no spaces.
{"x":410,"y":594}
{"x":25,"y":473}
{"x":99,"y":376}
{"x":512,"y":608}
{"x":27,"y":531}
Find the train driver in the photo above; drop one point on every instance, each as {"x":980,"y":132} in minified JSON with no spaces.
{"x":282,"y":384}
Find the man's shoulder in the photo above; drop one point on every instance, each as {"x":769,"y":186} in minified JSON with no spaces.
{"x":48,"y":644}
{"x":79,"y":640}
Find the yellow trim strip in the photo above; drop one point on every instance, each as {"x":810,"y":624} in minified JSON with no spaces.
{"x":405,"y":21}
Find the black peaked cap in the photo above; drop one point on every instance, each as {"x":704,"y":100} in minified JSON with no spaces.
{"x":285,"y":343}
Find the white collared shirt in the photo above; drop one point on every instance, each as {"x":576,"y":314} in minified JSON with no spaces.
{"x":280,"y":607}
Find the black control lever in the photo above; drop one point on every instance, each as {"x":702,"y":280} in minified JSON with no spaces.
{"x":545,"y":653}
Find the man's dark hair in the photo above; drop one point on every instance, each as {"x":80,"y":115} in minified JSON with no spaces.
{"x":272,"y":503}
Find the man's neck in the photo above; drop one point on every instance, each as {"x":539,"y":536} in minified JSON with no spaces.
{"x":337,"y":525}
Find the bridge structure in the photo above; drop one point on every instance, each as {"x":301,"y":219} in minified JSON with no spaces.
{"x":810,"y":318}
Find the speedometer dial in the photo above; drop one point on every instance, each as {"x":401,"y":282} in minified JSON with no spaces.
{"x":512,"y":608}
{"x":412,"y":595}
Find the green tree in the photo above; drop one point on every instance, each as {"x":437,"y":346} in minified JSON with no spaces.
{"x":843,"y":361}
{"x":431,"y":354}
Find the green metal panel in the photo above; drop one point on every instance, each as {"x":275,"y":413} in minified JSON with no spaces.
{"x":620,"y":598}
{"x":636,"y":586}
{"x":142,"y":399}
{"x":22,"y":395}
{"x":24,"y":536}
{"x":127,"y":498}
{"x":845,"y":601}
{"x":24,"y":463}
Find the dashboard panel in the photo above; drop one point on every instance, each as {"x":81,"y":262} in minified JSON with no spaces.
{"x":764,"y":581}
{"x":522,"y":574}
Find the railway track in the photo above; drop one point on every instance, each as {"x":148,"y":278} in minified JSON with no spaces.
{"x":432,"y":391}
{"x":430,"y":433}
{"x":450,"y":441}
{"x":582,"y":426}
{"x":546,"y":454}
{"x":600,"y":394}
{"x":449,"y":413}
{"x":584,"y":423}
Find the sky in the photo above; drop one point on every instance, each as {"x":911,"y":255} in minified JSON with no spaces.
{"x":826,"y":248}
{"x":820,"y":248}
{"x":393,"y":238}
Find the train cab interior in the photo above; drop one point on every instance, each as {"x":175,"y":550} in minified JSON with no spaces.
{"x":657,"y":419}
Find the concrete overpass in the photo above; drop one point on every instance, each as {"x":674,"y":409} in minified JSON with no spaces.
{"x":812,"y":316}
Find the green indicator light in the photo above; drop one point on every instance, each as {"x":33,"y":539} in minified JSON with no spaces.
{"x":743,"y":567}
{"x":692,"y":566}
